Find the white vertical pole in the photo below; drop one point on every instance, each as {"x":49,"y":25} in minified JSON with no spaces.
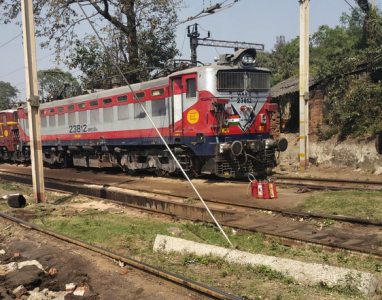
{"x":306,"y":65}
{"x":373,"y":4}
{"x":304,"y":84}
{"x":33,"y":101}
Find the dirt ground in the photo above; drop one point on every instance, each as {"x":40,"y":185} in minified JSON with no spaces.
{"x":209,"y":188}
{"x":99,"y":276}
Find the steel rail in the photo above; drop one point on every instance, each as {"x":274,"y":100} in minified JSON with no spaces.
{"x":331,"y":180}
{"x":258,"y":207}
{"x":288,"y":238}
{"x":196,"y":286}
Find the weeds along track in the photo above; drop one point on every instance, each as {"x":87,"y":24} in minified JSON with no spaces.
{"x":180,"y":280}
{"x":292,"y":228}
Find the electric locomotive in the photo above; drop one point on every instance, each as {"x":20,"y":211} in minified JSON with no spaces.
{"x":215,"y":118}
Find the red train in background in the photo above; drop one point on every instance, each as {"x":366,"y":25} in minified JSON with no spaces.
{"x":215,"y":118}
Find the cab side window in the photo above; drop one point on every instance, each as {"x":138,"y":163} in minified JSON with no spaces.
{"x":191,"y":88}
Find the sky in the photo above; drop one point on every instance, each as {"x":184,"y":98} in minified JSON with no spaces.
{"x":254,"y":21}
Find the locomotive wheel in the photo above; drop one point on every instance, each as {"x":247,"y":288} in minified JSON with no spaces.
{"x":160,"y":172}
{"x":130,"y":171}
{"x":190,"y":173}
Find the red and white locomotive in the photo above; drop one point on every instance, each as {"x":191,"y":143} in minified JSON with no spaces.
{"x":216,"y":119}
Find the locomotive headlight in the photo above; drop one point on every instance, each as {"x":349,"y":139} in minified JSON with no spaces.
{"x":247,"y":59}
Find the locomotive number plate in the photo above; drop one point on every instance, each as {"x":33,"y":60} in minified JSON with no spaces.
{"x":78,"y":128}
{"x":244,"y":97}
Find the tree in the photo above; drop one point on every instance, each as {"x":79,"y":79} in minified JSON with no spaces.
{"x":56,"y":84}
{"x":331,"y":48}
{"x":8,"y":95}
{"x":89,"y":57}
{"x":142,"y":31}
{"x":283,"y":60}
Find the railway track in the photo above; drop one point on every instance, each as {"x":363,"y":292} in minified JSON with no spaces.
{"x":292,"y":227}
{"x":330,"y":184}
{"x":180,"y":280}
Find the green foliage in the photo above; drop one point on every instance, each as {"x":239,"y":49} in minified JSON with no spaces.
{"x":8,"y":95}
{"x":204,"y":260}
{"x":89,"y":57}
{"x":272,"y":274}
{"x":354,"y":106}
{"x":341,"y":258}
{"x":10,"y":187}
{"x":283,"y":61}
{"x":56,"y":84}
{"x":340,"y":56}
{"x":331,"y":48}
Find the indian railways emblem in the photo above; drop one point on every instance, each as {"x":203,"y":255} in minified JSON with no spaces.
{"x":193,"y":116}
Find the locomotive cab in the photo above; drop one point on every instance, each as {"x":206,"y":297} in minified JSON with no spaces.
{"x":238,"y":117}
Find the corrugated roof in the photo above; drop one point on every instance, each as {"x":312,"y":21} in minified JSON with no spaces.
{"x":288,"y":86}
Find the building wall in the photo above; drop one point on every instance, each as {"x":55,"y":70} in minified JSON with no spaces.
{"x":316,"y":113}
{"x":289,"y":113}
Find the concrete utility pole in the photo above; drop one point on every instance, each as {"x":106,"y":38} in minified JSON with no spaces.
{"x":304,"y":84}
{"x":373,"y":4}
{"x":33,"y":101}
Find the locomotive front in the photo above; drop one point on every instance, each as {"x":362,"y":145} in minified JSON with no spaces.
{"x":241,"y":111}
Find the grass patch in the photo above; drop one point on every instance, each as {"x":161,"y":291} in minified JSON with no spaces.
{"x":134,"y":236}
{"x":10,"y":187}
{"x":3,"y":205}
{"x":189,"y":200}
{"x":358,"y":204}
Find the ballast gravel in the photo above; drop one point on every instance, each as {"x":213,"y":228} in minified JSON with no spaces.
{"x":302,"y":272}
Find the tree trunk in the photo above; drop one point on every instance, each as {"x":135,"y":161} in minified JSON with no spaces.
{"x":132,"y":38}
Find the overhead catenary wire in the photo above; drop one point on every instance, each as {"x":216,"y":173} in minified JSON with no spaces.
{"x":22,"y":68}
{"x":61,"y":70}
{"x":10,"y":40}
{"x":349,"y":4}
{"x":181,"y":51}
{"x":156,"y":128}
{"x":211,"y":34}
{"x":205,"y":13}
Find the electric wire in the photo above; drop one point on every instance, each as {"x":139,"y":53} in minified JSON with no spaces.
{"x":22,"y":68}
{"x":349,"y":4}
{"x":10,"y":40}
{"x":211,"y":36}
{"x":61,"y":70}
{"x":155,"y":127}
{"x":207,"y":13}
{"x":181,"y":51}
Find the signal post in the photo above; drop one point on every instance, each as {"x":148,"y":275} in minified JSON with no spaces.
{"x":33,"y":101}
{"x":304,"y":84}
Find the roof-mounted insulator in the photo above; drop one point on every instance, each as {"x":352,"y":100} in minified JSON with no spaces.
{"x":212,"y":8}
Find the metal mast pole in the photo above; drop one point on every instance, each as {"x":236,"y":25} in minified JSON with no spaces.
{"x":193,"y":35}
{"x":304,"y":84}
{"x":33,"y":101}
